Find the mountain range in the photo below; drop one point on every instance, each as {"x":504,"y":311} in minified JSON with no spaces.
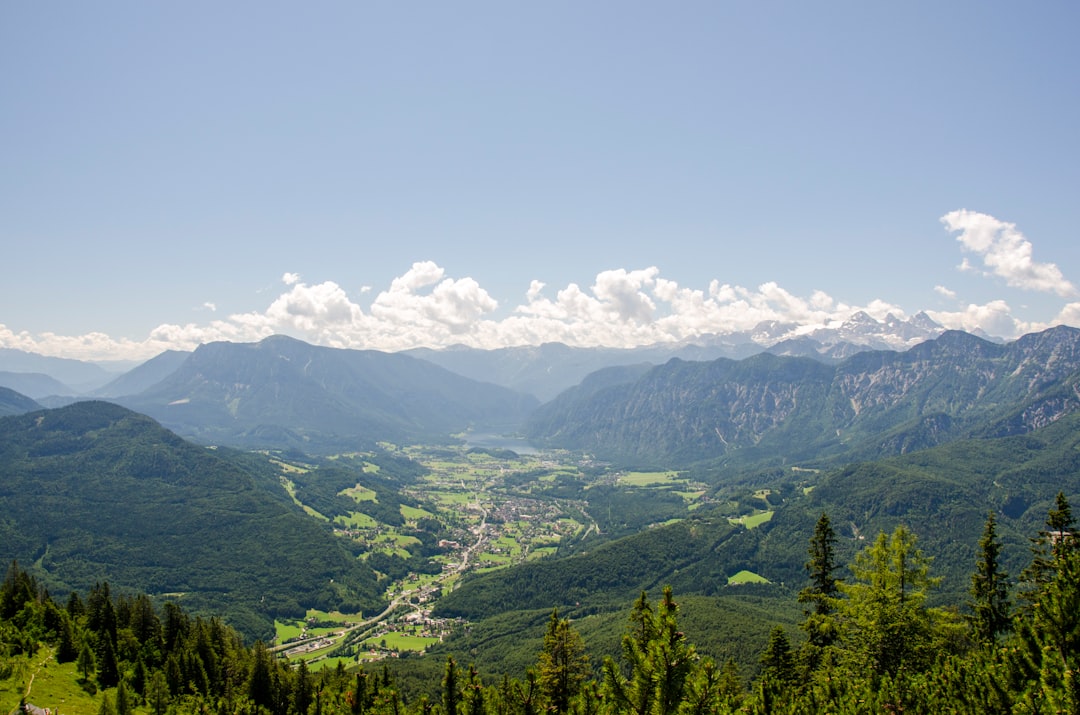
{"x":542,"y":371}
{"x":284,"y":393}
{"x":783,"y":409}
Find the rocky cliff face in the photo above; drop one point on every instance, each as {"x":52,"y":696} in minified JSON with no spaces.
{"x":877,"y":402}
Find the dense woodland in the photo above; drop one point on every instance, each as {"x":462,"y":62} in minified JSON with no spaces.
{"x":869,"y":642}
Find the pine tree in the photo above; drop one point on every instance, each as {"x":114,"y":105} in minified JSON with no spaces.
{"x":989,"y":588}
{"x":1052,"y":541}
{"x":777,"y":662}
{"x":658,"y":658}
{"x":820,"y":596}
{"x":563,"y":665}
{"x":887,"y":625}
{"x":451,"y":691}
{"x":108,"y":670}
{"x":302,"y":690}
{"x":260,"y":682}
{"x":123,"y":699}
{"x":157,"y":693}
{"x":85,"y":662}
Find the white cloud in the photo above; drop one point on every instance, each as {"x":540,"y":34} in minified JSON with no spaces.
{"x":1005,"y":252}
{"x":995,"y":318}
{"x":943,"y":291}
{"x":622,"y":308}
{"x":1069,"y":315}
{"x":212,"y":307}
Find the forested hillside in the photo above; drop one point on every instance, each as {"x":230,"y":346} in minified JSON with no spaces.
{"x":94,"y":492}
{"x":867,"y":642}
{"x":15,"y":403}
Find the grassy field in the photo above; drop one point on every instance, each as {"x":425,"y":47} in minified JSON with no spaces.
{"x":648,"y":479}
{"x":359,"y":494}
{"x":412,"y":513}
{"x":54,"y":686}
{"x":400,"y":642}
{"x":746,"y":577}
{"x":752,"y":520}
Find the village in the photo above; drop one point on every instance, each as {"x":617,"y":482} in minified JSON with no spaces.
{"x":487,"y":523}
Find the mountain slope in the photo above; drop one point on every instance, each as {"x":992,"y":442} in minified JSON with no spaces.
{"x":15,"y":403}
{"x":145,"y":375}
{"x":95,"y":492}
{"x":770,"y":408}
{"x":34,"y":384}
{"x":75,"y":374}
{"x":546,"y":370}
{"x":282,"y":392}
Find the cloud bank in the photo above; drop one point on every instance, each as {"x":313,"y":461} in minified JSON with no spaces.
{"x":1005,"y":253}
{"x":622,"y":308}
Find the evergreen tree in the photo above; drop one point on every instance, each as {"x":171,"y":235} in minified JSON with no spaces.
{"x":108,"y":670}
{"x":260,"y":682}
{"x":302,"y":689}
{"x":658,"y":658}
{"x":67,"y":648}
{"x":106,"y":707}
{"x":473,"y":694}
{"x":563,"y":665}
{"x":157,"y":693}
{"x":886,"y":622}
{"x":85,"y":662}
{"x":1052,"y":542}
{"x":989,"y":588}
{"x":820,"y":596}
{"x":451,"y":690}
{"x":1049,"y":637}
{"x":123,"y":699}
{"x":777,"y":662}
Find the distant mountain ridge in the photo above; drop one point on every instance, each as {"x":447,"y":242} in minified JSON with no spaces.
{"x":35,"y":385}
{"x":872,"y":404}
{"x":540,"y":370}
{"x":77,"y":376}
{"x":15,"y":403}
{"x":546,"y":370}
{"x":282,"y":393}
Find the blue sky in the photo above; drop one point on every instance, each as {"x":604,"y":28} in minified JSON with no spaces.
{"x":387,"y":175}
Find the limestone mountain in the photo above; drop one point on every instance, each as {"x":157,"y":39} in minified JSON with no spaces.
{"x":282,"y":392}
{"x":546,"y":370}
{"x":774,"y":408}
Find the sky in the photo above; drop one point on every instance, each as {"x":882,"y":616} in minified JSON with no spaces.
{"x":394,"y":175}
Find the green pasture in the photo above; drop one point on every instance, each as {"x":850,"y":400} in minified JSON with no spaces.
{"x":359,"y":493}
{"x":541,"y":551}
{"x":746,"y":577}
{"x":400,"y":641}
{"x":412,"y":513}
{"x":54,"y":686}
{"x":753,"y":520}
{"x":648,"y":479}
{"x":320,"y":663}
{"x":357,"y":520}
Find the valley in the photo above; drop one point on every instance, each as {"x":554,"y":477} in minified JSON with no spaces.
{"x":479,"y":510}
{"x":349,"y":513}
